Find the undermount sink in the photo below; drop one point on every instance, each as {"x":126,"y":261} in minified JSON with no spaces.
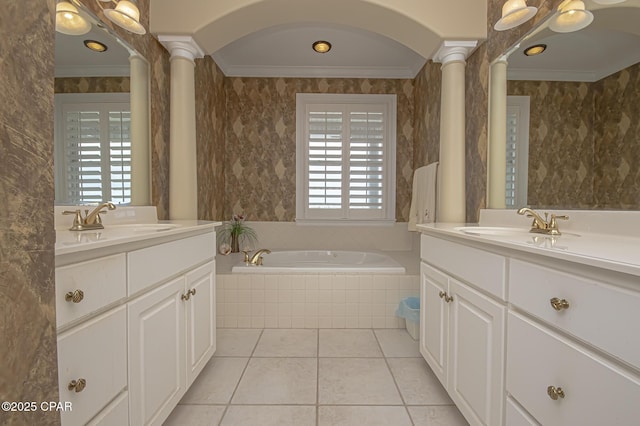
{"x":144,"y":227}
{"x":491,"y":230}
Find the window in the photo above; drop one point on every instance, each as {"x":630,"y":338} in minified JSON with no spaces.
{"x":93,"y":148}
{"x":345,"y":157}
{"x":517,"y":151}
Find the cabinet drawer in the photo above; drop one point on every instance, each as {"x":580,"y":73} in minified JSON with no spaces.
{"x":479,"y":268}
{"x":595,"y":392}
{"x":101,"y":281}
{"x":601,"y":314}
{"x":154,"y":264}
{"x":95,"y":351}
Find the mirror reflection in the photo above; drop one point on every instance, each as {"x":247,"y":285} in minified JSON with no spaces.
{"x":572,"y":116}
{"x":93,"y":117}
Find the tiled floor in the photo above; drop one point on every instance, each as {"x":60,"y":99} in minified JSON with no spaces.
{"x":316,"y":377}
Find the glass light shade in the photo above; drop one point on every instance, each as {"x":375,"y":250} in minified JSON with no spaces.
{"x":127,"y":16}
{"x":514,"y":13}
{"x":69,"y":21}
{"x":572,"y":16}
{"x":608,"y":1}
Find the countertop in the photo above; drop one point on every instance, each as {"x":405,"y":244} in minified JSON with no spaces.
{"x":613,"y":252}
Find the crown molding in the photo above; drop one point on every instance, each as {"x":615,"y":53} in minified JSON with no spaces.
{"x":93,"y":71}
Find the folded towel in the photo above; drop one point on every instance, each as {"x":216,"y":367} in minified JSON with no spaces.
{"x":423,"y":197}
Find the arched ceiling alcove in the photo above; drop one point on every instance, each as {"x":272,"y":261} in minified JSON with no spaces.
{"x":382,"y":29}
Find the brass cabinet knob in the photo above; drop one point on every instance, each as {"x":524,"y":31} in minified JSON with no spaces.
{"x":186,"y":296}
{"x":559,"y":304}
{"x":192,"y":291}
{"x":555,"y":392}
{"x":74,"y":296}
{"x":442,"y":294}
{"x":448,"y":298}
{"x":77,"y":385}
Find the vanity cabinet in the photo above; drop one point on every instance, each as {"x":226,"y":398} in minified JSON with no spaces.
{"x":462,"y":328}
{"x":135,"y":328}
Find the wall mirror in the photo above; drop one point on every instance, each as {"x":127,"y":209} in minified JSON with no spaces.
{"x":101,"y":147}
{"x":564,"y":125}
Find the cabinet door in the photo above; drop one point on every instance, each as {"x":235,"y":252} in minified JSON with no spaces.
{"x":434,"y":320}
{"x":476,"y":355}
{"x":157,"y":347}
{"x":201,"y":319}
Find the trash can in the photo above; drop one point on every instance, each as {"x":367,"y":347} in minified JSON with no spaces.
{"x":409,"y":309}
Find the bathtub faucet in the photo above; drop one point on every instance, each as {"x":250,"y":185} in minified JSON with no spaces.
{"x":256,"y":259}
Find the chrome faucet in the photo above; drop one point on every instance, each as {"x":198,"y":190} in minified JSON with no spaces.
{"x":256,"y":259}
{"x":91,"y":220}
{"x":543,"y":226}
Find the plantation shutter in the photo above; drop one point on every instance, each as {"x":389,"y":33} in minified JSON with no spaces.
{"x":517,"y":151}
{"x":96,"y":143}
{"x":366,"y":160}
{"x":512,"y":150}
{"x":325,"y":159}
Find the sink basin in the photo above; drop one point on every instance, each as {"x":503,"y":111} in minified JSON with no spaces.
{"x":491,"y":230}
{"x":144,"y":227}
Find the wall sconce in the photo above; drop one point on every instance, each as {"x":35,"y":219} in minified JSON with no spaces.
{"x":69,"y":21}
{"x":572,"y":16}
{"x":514,"y":13}
{"x":125,"y":15}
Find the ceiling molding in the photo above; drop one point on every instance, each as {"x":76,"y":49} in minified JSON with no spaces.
{"x":90,"y":71}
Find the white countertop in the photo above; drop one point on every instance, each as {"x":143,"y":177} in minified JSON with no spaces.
{"x":608,"y":251}
{"x":71,"y":242}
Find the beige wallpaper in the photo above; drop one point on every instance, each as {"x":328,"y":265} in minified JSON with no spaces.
{"x":92,"y":85}
{"x":260,"y":145}
{"x":426,"y":132}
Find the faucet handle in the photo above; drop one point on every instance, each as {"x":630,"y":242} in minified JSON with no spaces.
{"x":553,"y":225}
{"x":77,"y":220}
{"x":246,"y":256}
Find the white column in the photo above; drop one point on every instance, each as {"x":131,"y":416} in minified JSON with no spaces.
{"x":140,"y":131}
{"x":497,"y":159}
{"x":183,"y":182}
{"x":451,"y":177}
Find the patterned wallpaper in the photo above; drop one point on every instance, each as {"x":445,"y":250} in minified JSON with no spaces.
{"x":260,"y":145}
{"x":92,"y":85}
{"x":426,"y":133}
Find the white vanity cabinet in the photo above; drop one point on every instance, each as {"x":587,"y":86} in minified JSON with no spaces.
{"x":462,"y":326}
{"x":136,"y":325}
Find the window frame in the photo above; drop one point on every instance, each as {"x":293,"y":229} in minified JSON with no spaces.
{"x":64,"y":101}
{"x":387,"y":103}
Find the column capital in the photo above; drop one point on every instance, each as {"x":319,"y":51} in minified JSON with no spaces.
{"x":452,"y":51}
{"x":181,"y":47}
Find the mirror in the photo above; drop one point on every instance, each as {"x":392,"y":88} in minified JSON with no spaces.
{"x":101,"y":119}
{"x":580,"y":102}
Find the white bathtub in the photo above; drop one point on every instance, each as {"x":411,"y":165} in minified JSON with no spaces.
{"x":322,"y":262}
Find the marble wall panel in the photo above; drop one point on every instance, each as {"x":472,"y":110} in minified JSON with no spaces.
{"x":92,"y":85}
{"x":28,"y":361}
{"x":260,"y":146}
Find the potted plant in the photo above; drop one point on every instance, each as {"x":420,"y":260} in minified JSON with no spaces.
{"x":235,"y":234}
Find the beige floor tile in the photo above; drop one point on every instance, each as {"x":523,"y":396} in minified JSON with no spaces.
{"x":236,"y":342}
{"x":444,"y":415}
{"x":278,"y":381}
{"x":195,"y":415}
{"x":348,"y":343}
{"x":397,"y":343}
{"x":417,"y":383}
{"x":216,"y":382}
{"x":356,"y":381}
{"x":269,"y":415}
{"x":363,"y":415}
{"x":287,"y":343}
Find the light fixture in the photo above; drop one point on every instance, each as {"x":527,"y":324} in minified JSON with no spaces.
{"x":125,"y":15}
{"x":534,"y":50}
{"x":69,"y":21}
{"x":95,"y":45}
{"x":572,"y":16}
{"x":514,"y":13}
{"x":321,"y":46}
{"x":608,"y":1}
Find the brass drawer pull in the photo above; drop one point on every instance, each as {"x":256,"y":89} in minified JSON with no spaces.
{"x":555,"y":392}
{"x":559,"y":304}
{"x":77,"y":385}
{"x":74,"y":296}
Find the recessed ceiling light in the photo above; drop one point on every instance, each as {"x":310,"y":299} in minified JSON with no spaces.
{"x":321,"y":46}
{"x":96,"y":46}
{"x":536,"y":49}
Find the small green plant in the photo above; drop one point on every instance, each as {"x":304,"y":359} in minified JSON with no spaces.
{"x":236,"y":234}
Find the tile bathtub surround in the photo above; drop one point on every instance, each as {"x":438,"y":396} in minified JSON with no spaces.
{"x":301,"y":377}
{"x":312,"y":301}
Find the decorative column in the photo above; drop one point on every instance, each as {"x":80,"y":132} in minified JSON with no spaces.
{"x":183,"y":181}
{"x":451,"y":177}
{"x":497,"y":159}
{"x":140,"y":131}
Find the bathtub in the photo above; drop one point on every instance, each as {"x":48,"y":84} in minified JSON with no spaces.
{"x":322,"y":262}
